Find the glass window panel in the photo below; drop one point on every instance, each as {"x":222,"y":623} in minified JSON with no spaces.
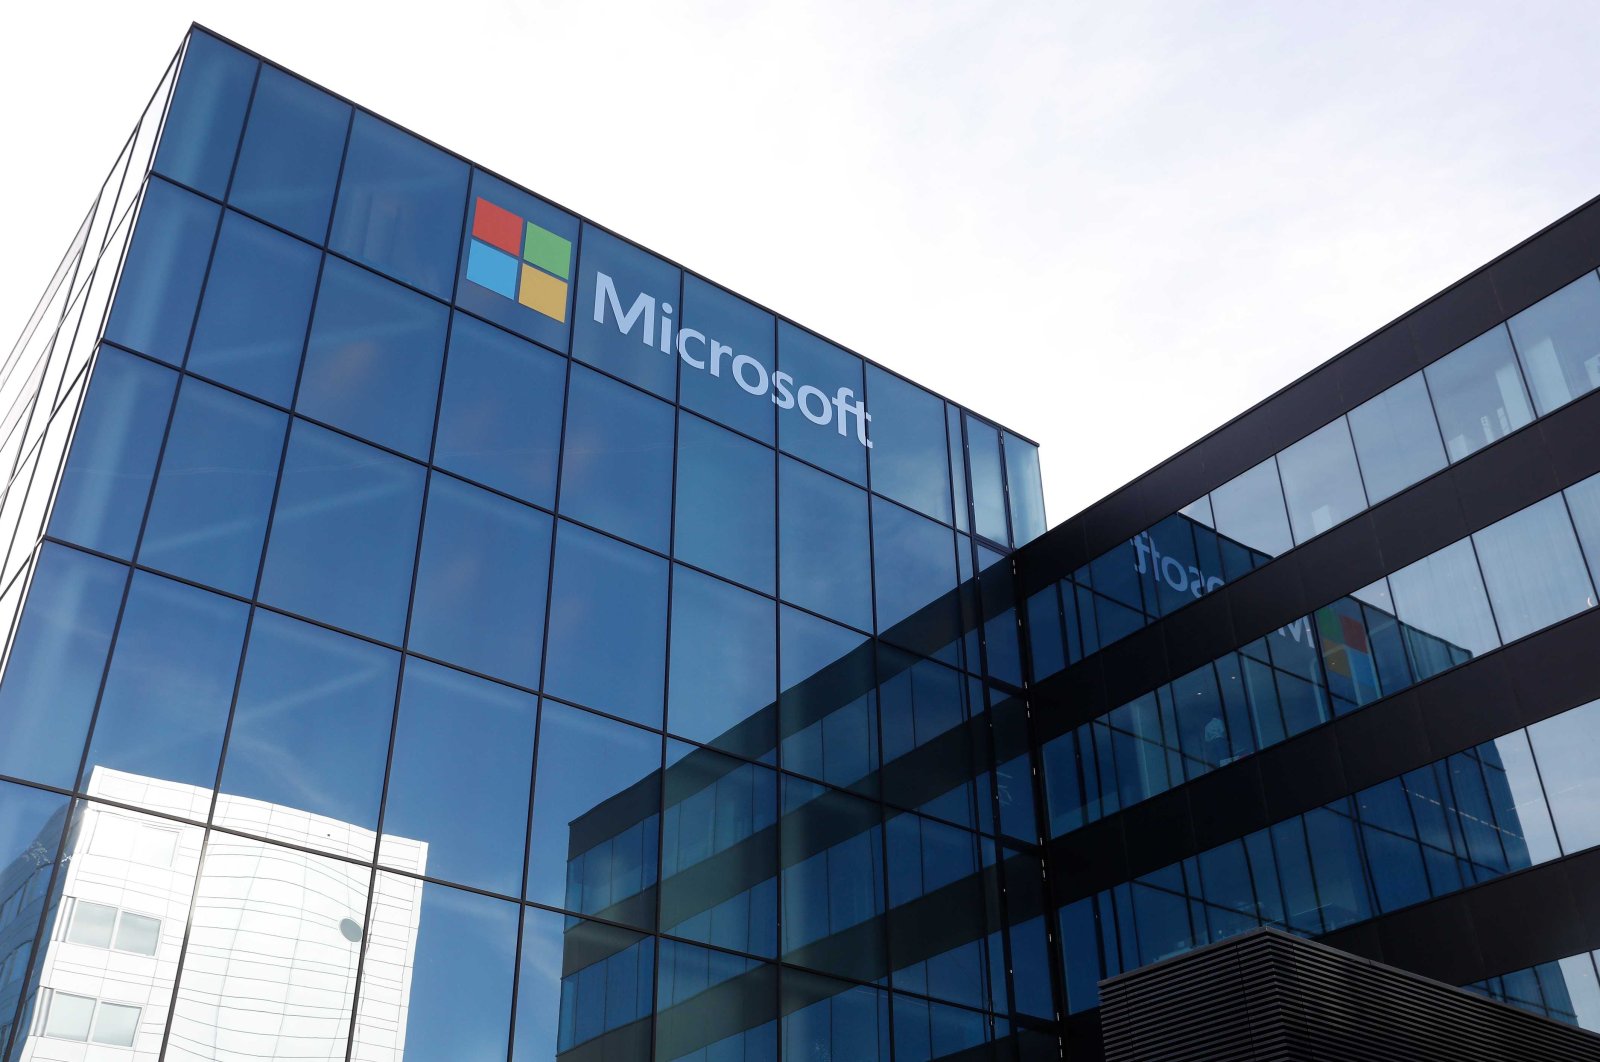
{"x":1533,"y":569}
{"x":724,"y":658}
{"x":724,"y":515}
{"x":1583,"y":501}
{"x":457,"y":956}
{"x":733,"y":380}
{"x":1441,"y":602}
{"x":1397,"y":438}
{"x":583,"y":985}
{"x":208,"y":518}
{"x":344,"y":533}
{"x":915,"y":576}
{"x":69,"y":1016}
{"x":457,"y":805}
{"x":500,"y":416}
{"x":201,"y":131}
{"x":162,"y":276}
{"x":92,"y":924}
{"x":827,"y":1020}
{"x":719,"y":872}
{"x":57,"y":658}
{"x":113,"y":457}
{"x":958,"y":466}
{"x":596,"y":808}
{"x":617,"y":459}
{"x":1558,"y":342}
{"x":310,"y":732}
{"x":480,"y":593}
{"x":1478,"y":394}
{"x":138,"y":934}
{"x":517,"y":261}
{"x":1249,"y":509}
{"x":809,"y":360}
{"x":289,"y":160}
{"x":1567,"y":747}
{"x":715,"y":1006}
{"x":988,"y":489}
{"x":1024,"y":490}
{"x":400,"y":205}
{"x":261,"y":907}
{"x":615,"y":326}
{"x":1521,"y":809}
{"x":372,"y":362}
{"x":833,"y":881}
{"x":606,"y":645}
{"x":1320,"y":481}
{"x":824,"y":545}
{"x":170,"y":683}
{"x":252,"y":323}
{"x":909,"y":455}
{"x":828,"y":714}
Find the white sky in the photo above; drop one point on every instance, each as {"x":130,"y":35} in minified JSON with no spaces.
{"x":1109,"y":226}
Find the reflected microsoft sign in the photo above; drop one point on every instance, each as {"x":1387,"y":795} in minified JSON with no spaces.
{"x":530,"y":266}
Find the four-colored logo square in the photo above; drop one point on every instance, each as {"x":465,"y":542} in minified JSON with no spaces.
{"x":519,"y":260}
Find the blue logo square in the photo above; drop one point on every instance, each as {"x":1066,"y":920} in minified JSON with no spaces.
{"x":492,"y":268}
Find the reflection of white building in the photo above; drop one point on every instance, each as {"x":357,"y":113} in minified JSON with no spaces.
{"x":274,"y":935}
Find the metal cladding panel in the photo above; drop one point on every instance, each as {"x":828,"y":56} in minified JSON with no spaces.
{"x":1267,"y":996}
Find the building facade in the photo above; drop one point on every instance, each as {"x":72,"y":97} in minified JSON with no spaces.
{"x":528,"y":648}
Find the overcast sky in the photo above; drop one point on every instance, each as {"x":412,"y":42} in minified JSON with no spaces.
{"x":1111,"y":227}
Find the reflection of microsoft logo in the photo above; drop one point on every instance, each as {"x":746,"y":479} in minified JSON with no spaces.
{"x":515,"y":258}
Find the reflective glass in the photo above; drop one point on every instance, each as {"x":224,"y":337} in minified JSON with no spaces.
{"x":310,"y":732}
{"x":584,"y":986}
{"x":1478,"y":394}
{"x":909,"y":455}
{"x":596,"y":808}
{"x":400,"y":205}
{"x":1249,"y":509}
{"x":958,"y":467}
{"x":915,"y":576}
{"x":437,"y":979}
{"x":201,"y":130}
{"x":616,"y":464}
{"x":926,"y":1031}
{"x":289,"y":160}
{"x":715,"y":1006}
{"x":988,"y":488}
{"x":946,"y":957}
{"x":1533,"y":569}
{"x":252,"y":323}
{"x":170,"y":683}
{"x":733,"y":380}
{"x":163,"y":273}
{"x":831,"y":1021}
{"x":31,"y":825}
{"x":824,"y":547}
{"x":606,"y":644}
{"x":1583,"y":501}
{"x":724,"y":656}
{"x":372,"y":362}
{"x":266,"y":963}
{"x":1517,"y":800}
{"x":827,"y":713}
{"x":724,"y":514}
{"x":479,"y":600}
{"x":833,"y":882}
{"x":932,"y":757}
{"x":620,"y":292}
{"x":1397,"y":438}
{"x":719,"y":865}
{"x":107,"y":478}
{"x":457,"y":804}
{"x":1567,"y":748}
{"x":1558,"y":342}
{"x":807,"y":359}
{"x":57,"y":658}
{"x":209,"y":514}
{"x":344,"y":534}
{"x":1320,"y":481}
{"x":1024,"y":490}
{"x":500,"y":416}
{"x":517,"y":257}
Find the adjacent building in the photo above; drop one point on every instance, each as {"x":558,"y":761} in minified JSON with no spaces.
{"x":532,"y":649}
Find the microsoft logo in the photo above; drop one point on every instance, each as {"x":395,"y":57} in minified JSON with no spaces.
{"x":519,"y":260}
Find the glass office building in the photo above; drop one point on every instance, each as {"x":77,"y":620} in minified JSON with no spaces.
{"x":438,"y":628}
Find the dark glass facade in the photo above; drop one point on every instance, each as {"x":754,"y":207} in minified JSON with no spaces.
{"x":440,"y":628}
